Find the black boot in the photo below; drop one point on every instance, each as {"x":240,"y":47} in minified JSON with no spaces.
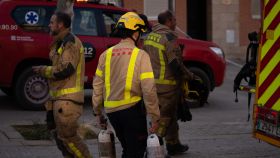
{"x":174,"y":149}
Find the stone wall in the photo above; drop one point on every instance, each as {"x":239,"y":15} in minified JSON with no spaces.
{"x":228,"y":21}
{"x":225,"y":25}
{"x":181,"y":14}
{"x":137,"y":5}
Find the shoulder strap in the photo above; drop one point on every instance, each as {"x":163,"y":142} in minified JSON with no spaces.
{"x":68,"y":38}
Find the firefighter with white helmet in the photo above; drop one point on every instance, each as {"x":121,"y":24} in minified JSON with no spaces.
{"x":123,"y":80}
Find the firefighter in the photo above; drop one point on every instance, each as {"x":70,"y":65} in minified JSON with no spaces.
{"x":123,"y":80}
{"x":169,"y":71}
{"x":66,"y":82}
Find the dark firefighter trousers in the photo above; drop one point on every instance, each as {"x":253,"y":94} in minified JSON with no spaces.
{"x":131,"y":129}
{"x":168,"y":125}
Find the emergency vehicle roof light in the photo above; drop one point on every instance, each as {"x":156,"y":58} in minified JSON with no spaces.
{"x":89,"y":1}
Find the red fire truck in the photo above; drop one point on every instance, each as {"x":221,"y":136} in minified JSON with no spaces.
{"x":24,"y":42}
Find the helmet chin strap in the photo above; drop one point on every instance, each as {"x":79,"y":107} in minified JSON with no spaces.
{"x":137,"y":39}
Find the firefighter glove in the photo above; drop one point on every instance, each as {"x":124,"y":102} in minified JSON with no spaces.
{"x":183,"y":111}
{"x":101,"y":121}
{"x":38,"y":69}
{"x":154,"y":126}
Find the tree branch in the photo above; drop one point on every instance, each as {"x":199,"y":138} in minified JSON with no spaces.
{"x":65,"y":6}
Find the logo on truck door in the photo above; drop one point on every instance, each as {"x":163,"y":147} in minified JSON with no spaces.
{"x":31,"y":17}
{"x":89,"y":51}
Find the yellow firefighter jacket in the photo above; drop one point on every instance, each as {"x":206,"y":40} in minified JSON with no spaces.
{"x":66,"y":75}
{"x":162,"y":48}
{"x":124,"y":76}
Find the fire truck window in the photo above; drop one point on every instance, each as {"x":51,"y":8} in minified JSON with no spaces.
{"x":110,"y":20}
{"x":32,"y":18}
{"x":84,"y":23}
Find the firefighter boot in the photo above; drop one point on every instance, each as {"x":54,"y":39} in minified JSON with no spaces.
{"x":174,"y":149}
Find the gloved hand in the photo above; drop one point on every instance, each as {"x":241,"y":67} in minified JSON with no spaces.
{"x":101,"y":121}
{"x":38,"y":69}
{"x":154,"y":126}
{"x":183,"y":111}
{"x":50,"y":120}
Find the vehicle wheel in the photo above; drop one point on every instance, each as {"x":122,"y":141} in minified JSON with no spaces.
{"x":203,"y":92}
{"x":7,"y":91}
{"x":31,"y":90}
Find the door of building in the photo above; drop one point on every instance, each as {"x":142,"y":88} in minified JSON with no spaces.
{"x":197,"y":19}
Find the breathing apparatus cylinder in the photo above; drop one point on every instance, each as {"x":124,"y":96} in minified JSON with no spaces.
{"x":154,"y":149}
{"x":106,"y":144}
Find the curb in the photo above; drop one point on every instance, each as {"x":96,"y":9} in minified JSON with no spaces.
{"x":234,"y":63}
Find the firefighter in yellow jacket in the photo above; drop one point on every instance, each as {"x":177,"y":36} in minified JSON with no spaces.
{"x":66,"y":87}
{"x":169,"y":70}
{"x":124,"y":77}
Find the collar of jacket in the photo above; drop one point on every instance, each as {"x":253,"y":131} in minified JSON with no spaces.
{"x":127,"y":40}
{"x":60,"y":36}
{"x":159,"y":28}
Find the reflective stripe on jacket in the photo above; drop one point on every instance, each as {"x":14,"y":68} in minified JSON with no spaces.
{"x":124,"y":76}
{"x":128,"y":82}
{"x":67,"y":54}
{"x":162,"y":53}
{"x":79,"y":86}
{"x":163,"y":49}
{"x":153,"y":40}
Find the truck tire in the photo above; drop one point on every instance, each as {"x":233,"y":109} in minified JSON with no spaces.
{"x":203,"y":94}
{"x":7,"y":91}
{"x":31,"y":90}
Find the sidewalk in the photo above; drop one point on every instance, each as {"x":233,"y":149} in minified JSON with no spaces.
{"x":238,"y":62}
{"x":13,"y":145}
{"x":206,"y":140}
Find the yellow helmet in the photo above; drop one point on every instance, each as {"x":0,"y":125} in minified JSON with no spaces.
{"x":131,"y":21}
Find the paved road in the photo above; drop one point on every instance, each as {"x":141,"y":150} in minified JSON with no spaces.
{"x":218,"y":130}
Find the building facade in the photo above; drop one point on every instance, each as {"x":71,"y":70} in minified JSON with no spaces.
{"x":225,"y":22}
